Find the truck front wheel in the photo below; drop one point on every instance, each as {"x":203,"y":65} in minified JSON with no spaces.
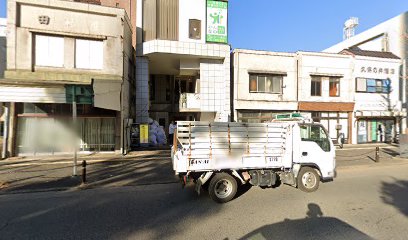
{"x":222,"y":187}
{"x":308,"y":179}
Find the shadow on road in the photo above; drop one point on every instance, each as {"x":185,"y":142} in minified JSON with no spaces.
{"x":395,"y":194}
{"x":313,"y":226}
{"x":390,"y":152}
{"x":115,"y":213}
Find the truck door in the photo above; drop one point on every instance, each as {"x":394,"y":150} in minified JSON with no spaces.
{"x":317,"y":149}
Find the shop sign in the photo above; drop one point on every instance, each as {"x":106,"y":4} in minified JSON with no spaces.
{"x":362,"y":130}
{"x":217,"y":16}
{"x":144,"y":133}
{"x":379,"y":70}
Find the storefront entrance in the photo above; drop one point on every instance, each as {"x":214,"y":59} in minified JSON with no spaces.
{"x":375,"y":130}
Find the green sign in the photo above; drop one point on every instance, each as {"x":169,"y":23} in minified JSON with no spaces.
{"x":217,"y":19}
{"x":83,"y":94}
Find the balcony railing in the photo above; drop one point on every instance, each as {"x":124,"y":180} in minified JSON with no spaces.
{"x":189,"y":102}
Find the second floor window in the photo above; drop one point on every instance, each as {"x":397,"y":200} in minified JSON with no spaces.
{"x":162,"y":20}
{"x":262,"y":83}
{"x":49,"y":51}
{"x":334,"y":86}
{"x":88,"y":54}
{"x":373,"y":85}
{"x":316,"y":86}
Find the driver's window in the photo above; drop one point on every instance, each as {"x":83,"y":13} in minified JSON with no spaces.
{"x":315,"y":133}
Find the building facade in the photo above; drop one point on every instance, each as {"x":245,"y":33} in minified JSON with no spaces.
{"x":388,"y":36}
{"x":62,"y":56}
{"x":264,"y":84}
{"x":183,"y":61}
{"x":327,"y":87}
{"x":326,"y":90}
{"x":378,"y":111}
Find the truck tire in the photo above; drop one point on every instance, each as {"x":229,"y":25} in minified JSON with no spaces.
{"x":308,"y":179}
{"x":222,"y":187}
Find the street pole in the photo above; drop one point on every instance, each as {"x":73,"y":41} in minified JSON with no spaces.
{"x":5,"y":131}
{"x":74,"y":120}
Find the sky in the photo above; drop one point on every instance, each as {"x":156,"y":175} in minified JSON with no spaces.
{"x":308,"y":25}
{"x":292,"y":25}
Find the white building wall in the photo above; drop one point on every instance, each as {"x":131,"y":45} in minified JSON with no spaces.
{"x":246,"y":61}
{"x":394,"y":29}
{"x":377,"y":104}
{"x":391,"y":36}
{"x":377,"y":101}
{"x":191,"y":9}
{"x":325,"y":65}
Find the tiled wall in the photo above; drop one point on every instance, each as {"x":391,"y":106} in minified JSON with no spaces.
{"x":185,"y":48}
{"x":215,"y":88}
{"x":214,"y":74}
{"x":142,"y":89}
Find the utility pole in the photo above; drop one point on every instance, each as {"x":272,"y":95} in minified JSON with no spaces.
{"x":74,"y":139}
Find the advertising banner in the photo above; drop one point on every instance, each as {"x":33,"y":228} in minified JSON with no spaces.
{"x":217,"y":19}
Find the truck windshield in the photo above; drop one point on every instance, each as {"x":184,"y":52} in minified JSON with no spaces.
{"x":315,"y":133}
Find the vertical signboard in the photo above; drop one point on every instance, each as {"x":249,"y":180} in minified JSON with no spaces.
{"x":144,"y":133}
{"x":217,"y":19}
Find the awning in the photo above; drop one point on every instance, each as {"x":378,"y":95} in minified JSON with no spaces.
{"x":107,"y":94}
{"x":267,"y":72}
{"x":326,"y":106}
{"x":51,"y":94}
{"x":327,"y":74}
{"x":365,"y":114}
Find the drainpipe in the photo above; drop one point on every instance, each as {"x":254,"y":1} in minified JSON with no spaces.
{"x":297,"y":81}
{"x":5,"y":132}
{"x":404,"y":94}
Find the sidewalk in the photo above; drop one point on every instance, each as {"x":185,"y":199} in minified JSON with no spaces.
{"x":103,"y":170}
{"x":53,"y":173}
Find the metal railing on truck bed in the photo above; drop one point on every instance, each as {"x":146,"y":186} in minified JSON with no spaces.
{"x":209,"y":145}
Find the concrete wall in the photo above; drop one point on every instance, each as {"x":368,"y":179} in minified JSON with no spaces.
{"x":70,"y":20}
{"x":246,"y":61}
{"x":3,"y":46}
{"x":326,"y":65}
{"x":130,"y":8}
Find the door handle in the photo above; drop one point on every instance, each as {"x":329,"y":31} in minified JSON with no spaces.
{"x":304,"y":154}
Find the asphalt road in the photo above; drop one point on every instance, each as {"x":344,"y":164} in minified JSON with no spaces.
{"x":364,"y":202}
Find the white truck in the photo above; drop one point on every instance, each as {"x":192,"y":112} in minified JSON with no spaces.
{"x":220,"y":157}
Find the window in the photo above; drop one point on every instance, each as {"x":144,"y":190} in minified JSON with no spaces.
{"x":88,"y":54}
{"x":194,"y":29}
{"x":315,"y":133}
{"x":257,"y":116}
{"x":162,"y":22}
{"x":334,"y":87}
{"x":316,"y":86}
{"x":49,"y":51}
{"x":265,"y":83}
{"x":373,"y":85}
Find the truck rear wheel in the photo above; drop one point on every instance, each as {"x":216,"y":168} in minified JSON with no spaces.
{"x":308,"y":179}
{"x":222,"y":187}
